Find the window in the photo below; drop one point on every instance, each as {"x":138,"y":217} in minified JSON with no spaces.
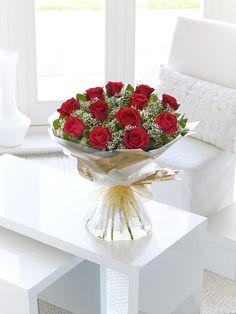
{"x":70,"y":47}
{"x":155,"y":23}
{"x":67,"y":46}
{"x":45,"y":74}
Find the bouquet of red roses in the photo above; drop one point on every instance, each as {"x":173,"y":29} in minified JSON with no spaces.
{"x":116,"y":119}
{"x":116,"y":135}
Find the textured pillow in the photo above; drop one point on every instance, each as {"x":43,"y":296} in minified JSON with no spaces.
{"x":211,"y":104}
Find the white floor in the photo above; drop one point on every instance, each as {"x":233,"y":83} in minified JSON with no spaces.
{"x":218,"y":294}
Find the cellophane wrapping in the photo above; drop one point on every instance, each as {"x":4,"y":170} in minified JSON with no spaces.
{"x":121,"y":179}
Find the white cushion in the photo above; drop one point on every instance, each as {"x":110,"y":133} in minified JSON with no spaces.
{"x":211,"y":104}
{"x":207,"y":177}
{"x":206,"y":50}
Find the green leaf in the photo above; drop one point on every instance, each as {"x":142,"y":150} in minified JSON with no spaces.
{"x":184,"y":132}
{"x":183,"y":121}
{"x":86,"y":133}
{"x":178,"y":115}
{"x":81,"y":97}
{"x":66,"y":137}
{"x":153,"y":97}
{"x":56,"y":124}
{"x":129,"y":88}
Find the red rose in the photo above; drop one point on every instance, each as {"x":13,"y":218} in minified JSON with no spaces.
{"x":74,"y":127}
{"x":145,"y":90}
{"x":99,"y":110}
{"x":138,"y":100}
{"x":68,"y":107}
{"x":99,"y":137}
{"x":128,"y":116}
{"x":136,"y":138}
{"x":169,"y":100}
{"x":167,"y":122}
{"x":113,"y":88}
{"x":95,"y":92}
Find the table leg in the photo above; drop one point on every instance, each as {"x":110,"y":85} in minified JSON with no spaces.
{"x":16,"y":300}
{"x":33,"y":304}
{"x":192,"y":304}
{"x":133,"y":300}
{"x":123,"y":296}
{"x":103,"y":286}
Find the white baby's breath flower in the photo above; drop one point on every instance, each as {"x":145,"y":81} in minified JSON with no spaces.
{"x":84,"y":141}
{"x":129,"y":127}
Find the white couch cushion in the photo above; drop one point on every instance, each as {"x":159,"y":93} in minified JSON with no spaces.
{"x":211,"y":104}
{"x":207,"y":179}
{"x":205,"y":49}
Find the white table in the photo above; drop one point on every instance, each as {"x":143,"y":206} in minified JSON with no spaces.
{"x":164,"y":270}
{"x":27,"y":268}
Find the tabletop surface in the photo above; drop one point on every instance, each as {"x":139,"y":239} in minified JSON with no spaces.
{"x":48,"y":205}
{"x":21,"y":261}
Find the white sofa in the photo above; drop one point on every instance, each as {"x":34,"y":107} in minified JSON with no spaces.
{"x":203,"y":50}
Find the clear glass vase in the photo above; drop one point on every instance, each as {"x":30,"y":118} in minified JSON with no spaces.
{"x":118,"y":215}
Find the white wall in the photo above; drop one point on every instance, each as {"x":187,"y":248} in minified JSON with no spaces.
{"x":223,"y":10}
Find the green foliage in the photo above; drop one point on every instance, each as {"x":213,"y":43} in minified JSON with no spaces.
{"x":178,"y":116}
{"x":86,"y":133}
{"x":81,"y":97}
{"x":153,"y":98}
{"x":129,"y":88}
{"x":56,"y":124}
{"x":183,"y":122}
{"x":168,"y":4}
{"x":69,"y":5}
{"x":185,"y":131}
{"x":96,"y":5}
{"x":66,"y":137}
